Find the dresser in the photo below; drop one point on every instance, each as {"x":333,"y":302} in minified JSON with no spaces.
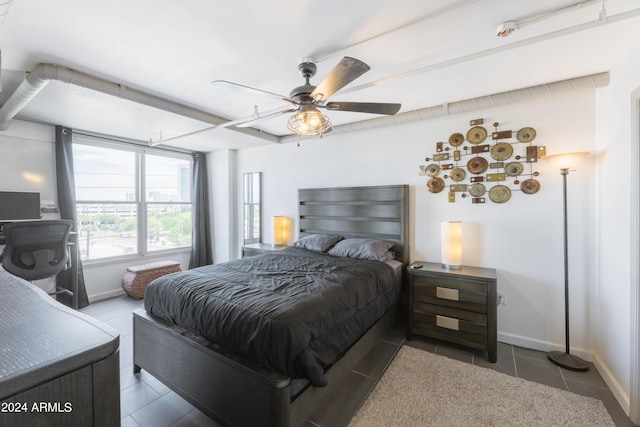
{"x":58,"y":367}
{"x":458,"y":306}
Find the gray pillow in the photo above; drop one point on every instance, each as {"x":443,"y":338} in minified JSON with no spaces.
{"x":376,"y":250}
{"x":318,"y":242}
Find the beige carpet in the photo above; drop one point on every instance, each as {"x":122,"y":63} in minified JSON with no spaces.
{"x":422,"y":389}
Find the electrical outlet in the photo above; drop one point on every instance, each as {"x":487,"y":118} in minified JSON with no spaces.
{"x":502,"y":298}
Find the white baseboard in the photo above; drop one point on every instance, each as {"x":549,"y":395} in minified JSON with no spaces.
{"x":545,"y":346}
{"x":106,"y":295}
{"x":618,"y":391}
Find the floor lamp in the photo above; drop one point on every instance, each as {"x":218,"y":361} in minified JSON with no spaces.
{"x":566,"y":162}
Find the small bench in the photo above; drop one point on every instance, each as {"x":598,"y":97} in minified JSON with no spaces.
{"x":137,"y":277}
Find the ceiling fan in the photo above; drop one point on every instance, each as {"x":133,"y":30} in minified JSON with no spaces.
{"x":307,"y":100}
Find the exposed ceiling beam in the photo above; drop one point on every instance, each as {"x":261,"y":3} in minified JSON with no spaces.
{"x":42,"y":74}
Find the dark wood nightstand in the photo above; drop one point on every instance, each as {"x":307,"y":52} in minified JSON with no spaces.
{"x":458,"y":306}
{"x":259,"y":248}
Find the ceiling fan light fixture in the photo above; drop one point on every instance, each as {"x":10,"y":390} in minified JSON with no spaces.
{"x":309,"y":121}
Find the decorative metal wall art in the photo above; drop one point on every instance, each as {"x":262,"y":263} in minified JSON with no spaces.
{"x":470,"y":167}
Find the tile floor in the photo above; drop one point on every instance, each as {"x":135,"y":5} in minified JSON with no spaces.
{"x":148,"y":403}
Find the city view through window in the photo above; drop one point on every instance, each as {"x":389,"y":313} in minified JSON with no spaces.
{"x":130,"y":202}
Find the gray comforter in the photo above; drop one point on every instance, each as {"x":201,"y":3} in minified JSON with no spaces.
{"x":294,"y":311}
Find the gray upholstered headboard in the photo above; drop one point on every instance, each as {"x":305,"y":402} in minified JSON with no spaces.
{"x":380,"y":212}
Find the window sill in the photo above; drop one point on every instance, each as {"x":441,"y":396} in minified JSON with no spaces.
{"x":134,"y":258}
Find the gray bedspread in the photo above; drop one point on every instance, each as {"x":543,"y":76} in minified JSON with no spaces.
{"x":294,"y":311}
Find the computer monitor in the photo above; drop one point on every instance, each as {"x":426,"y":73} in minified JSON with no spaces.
{"x":19,"y":206}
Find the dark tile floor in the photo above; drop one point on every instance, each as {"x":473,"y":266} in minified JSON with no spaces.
{"x":147,"y":402}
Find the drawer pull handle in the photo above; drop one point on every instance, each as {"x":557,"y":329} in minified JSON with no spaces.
{"x":447,"y":322}
{"x":447,"y":293}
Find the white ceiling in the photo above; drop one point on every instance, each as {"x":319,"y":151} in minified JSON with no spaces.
{"x":421,"y":54}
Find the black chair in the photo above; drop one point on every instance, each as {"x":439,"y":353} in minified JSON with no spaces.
{"x":37,"y":249}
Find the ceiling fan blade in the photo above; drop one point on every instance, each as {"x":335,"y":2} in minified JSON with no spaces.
{"x":344,"y":73}
{"x":364,"y":107}
{"x":250,"y":121}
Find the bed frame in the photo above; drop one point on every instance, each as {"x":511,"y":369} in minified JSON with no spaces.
{"x":238,"y":392}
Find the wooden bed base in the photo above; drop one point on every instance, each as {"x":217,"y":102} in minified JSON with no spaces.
{"x":230,"y":390}
{"x":239,"y":392}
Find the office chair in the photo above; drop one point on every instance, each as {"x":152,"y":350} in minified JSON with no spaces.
{"x":37,"y":249}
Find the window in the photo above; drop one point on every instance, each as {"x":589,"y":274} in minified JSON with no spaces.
{"x":131,"y":202}
{"x":168,"y":201}
{"x":252,"y":217}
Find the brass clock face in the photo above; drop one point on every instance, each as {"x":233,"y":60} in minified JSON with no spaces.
{"x":501,"y":151}
{"x":476,"y":135}
{"x":526,"y":134}
{"x":477,"y":165}
{"x":499,"y":194}
{"x":435,"y":185}
{"x":530,"y":186}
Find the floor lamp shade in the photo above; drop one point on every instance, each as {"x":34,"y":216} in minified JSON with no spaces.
{"x":279,"y":230}
{"x":451,"y":244}
{"x":566,"y":161}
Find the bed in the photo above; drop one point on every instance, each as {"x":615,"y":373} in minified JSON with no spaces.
{"x":231,"y":387}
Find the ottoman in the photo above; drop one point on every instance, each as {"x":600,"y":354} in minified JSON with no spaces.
{"x":137,"y":277}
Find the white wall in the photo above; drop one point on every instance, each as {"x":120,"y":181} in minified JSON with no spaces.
{"x":616,"y":140}
{"x":522,"y":239}
{"x":27,"y":159}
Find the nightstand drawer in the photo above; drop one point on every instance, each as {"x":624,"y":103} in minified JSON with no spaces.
{"x":460,"y":294}
{"x":461,"y":327}
{"x":440,"y":310}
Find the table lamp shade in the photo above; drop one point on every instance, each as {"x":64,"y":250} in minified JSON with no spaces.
{"x":451,"y":244}
{"x":279,"y":230}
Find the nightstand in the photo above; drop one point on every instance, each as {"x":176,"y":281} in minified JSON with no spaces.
{"x":259,"y":248}
{"x":458,"y":306}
